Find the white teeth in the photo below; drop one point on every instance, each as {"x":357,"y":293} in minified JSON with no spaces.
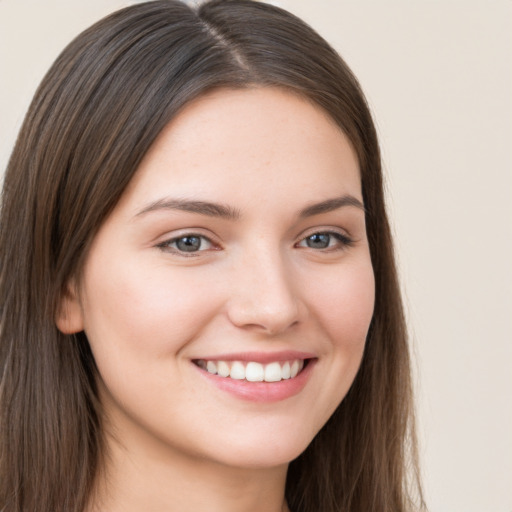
{"x":285,"y":371}
{"x":273,"y":372}
{"x":237,"y":371}
{"x":222,"y":368}
{"x":294,"y":369}
{"x":252,"y":371}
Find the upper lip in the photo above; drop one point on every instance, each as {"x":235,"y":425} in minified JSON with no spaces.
{"x":260,"y":357}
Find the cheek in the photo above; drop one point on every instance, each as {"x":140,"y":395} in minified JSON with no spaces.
{"x":144,"y":311}
{"x":342,"y":305}
{"x":345,"y":305}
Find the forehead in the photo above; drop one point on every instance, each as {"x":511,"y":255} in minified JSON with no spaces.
{"x":263,"y":140}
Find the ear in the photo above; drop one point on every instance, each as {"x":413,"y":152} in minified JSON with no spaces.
{"x":69,"y":316}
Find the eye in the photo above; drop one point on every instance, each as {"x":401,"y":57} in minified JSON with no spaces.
{"x":325,"y":240}
{"x":189,"y":243}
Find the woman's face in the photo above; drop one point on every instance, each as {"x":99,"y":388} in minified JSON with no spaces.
{"x":237,"y":253}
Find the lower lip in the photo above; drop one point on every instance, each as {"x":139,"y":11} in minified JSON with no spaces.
{"x":262,"y":391}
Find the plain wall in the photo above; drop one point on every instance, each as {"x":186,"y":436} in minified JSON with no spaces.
{"x":438,"y":75}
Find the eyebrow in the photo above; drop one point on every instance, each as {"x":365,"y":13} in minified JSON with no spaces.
{"x":330,"y":205}
{"x":189,"y":205}
{"x":227,"y":212}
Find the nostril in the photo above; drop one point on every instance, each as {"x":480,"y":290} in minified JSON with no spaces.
{"x":265,"y":299}
{"x":272,"y":321}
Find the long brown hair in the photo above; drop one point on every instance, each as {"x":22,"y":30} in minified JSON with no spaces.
{"x":93,"y":118}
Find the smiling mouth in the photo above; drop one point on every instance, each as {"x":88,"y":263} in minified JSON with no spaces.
{"x":253,"y":371}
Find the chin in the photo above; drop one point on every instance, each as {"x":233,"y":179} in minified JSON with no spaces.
{"x":264,"y":451}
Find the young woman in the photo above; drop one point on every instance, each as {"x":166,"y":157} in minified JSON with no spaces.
{"x":199,"y":304}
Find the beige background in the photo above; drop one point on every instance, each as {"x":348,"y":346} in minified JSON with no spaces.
{"x":438,"y":75}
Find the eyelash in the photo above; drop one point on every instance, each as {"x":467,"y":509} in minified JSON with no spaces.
{"x":166,"y":245}
{"x":343,"y":242}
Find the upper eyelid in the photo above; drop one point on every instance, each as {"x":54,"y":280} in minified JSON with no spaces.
{"x":176,"y":234}
{"x":340,"y":237}
{"x":326,"y":229}
{"x":168,"y":241}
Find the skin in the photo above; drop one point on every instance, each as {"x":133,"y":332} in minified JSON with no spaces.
{"x":176,"y":441}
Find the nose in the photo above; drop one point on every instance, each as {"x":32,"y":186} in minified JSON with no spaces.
{"x":264,"y":297}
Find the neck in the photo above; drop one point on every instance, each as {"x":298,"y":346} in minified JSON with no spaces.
{"x":169,"y":481}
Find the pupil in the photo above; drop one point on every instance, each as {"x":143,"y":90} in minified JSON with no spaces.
{"x":318,"y":241}
{"x":188,"y":243}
